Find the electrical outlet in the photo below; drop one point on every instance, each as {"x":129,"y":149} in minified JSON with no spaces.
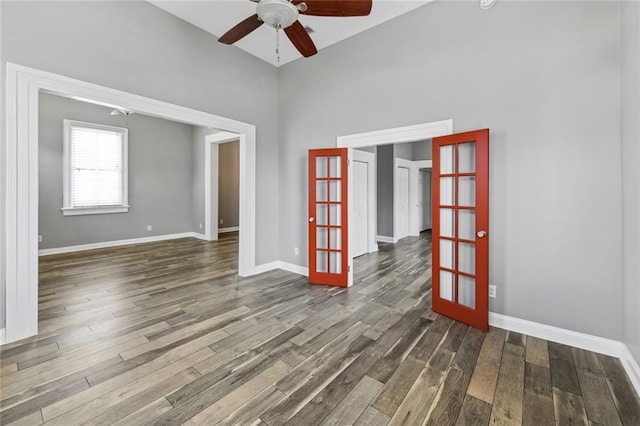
{"x":39,"y":238}
{"x":492,"y":291}
{"x":296,"y":251}
{"x":200,"y":226}
{"x":149,"y":227}
{"x":221,"y":221}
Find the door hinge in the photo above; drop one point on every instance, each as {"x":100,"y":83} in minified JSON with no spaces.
{"x":348,"y":268}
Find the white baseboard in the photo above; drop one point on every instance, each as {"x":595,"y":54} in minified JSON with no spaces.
{"x":556,"y":334}
{"x":230,"y":229}
{"x":266,"y":267}
{"x":631,"y":367}
{"x":2,"y":336}
{"x":199,"y":236}
{"x":105,"y":244}
{"x":285,"y":266}
{"x":296,"y":269}
{"x":588,"y":342}
{"x":383,"y":239}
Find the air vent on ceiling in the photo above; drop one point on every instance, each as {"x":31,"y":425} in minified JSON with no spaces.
{"x":309,"y":29}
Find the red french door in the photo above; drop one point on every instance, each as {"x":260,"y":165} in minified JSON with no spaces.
{"x":328,"y":237}
{"x":461,"y":227}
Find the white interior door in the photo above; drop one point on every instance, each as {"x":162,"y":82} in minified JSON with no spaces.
{"x":360,"y":201}
{"x":424,"y":191}
{"x":403,"y":202}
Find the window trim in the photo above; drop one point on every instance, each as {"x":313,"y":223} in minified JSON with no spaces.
{"x":67,"y":208}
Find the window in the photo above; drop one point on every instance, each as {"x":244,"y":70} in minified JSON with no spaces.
{"x":95,"y":169}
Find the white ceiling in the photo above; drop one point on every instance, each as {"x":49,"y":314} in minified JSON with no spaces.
{"x":218,"y":16}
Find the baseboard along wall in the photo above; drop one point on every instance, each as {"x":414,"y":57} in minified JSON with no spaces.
{"x":116,"y":243}
{"x":385,"y":239}
{"x":229,"y":229}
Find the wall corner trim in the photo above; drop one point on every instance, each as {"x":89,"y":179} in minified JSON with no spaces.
{"x":266,"y":267}
{"x":229,"y":229}
{"x":631,"y":366}
{"x":385,"y":239}
{"x":296,"y":269}
{"x":285,"y":266}
{"x":585,"y":341}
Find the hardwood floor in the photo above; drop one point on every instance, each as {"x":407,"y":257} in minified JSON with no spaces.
{"x":166,"y":333}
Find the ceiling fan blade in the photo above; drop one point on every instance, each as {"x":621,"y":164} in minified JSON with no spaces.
{"x":336,"y":7}
{"x":300,"y":39}
{"x":242,"y":29}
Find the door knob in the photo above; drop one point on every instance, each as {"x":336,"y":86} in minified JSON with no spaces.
{"x":481,"y":234}
{"x":311,"y":219}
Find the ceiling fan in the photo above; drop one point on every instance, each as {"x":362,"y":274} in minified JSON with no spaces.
{"x":283,"y":14}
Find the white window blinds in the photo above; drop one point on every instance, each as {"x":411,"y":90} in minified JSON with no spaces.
{"x":97,"y":166}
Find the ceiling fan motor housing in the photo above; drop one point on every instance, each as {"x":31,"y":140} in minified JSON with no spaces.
{"x":277,"y":13}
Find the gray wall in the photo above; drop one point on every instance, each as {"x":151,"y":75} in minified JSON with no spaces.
{"x":384,"y":195}
{"x":421,"y":150}
{"x":159,"y":177}
{"x":371,"y":149}
{"x":403,"y":150}
{"x":136,"y":47}
{"x":546,"y":80}
{"x":631,"y":172}
{"x":229,"y":184}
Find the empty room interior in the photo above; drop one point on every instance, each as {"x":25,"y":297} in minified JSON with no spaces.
{"x":321,"y":212}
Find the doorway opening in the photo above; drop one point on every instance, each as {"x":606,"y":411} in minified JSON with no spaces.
{"x":21,"y":233}
{"x":214,"y":224}
{"x":378,"y":140}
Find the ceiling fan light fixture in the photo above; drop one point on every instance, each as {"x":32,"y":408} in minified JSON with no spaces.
{"x":277,"y":13}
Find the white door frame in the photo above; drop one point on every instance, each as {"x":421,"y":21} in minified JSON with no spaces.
{"x":414,"y":175}
{"x":370,"y":159}
{"x":401,"y":163}
{"x":211,"y":167}
{"x":21,"y":186}
{"x":412,"y":133}
{"x":420,"y":219}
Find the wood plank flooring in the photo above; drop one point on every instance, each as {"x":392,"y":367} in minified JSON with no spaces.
{"x":166,"y":333}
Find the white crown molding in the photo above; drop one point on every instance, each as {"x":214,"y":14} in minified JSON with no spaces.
{"x":414,"y":133}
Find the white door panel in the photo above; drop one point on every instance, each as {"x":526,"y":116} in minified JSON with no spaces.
{"x":360,"y":201}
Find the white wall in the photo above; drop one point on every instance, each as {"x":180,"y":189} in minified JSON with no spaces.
{"x":137,"y":47}
{"x":545,"y":78}
{"x":631,"y":172}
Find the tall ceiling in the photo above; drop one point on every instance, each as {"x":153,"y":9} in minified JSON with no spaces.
{"x":218,"y":16}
